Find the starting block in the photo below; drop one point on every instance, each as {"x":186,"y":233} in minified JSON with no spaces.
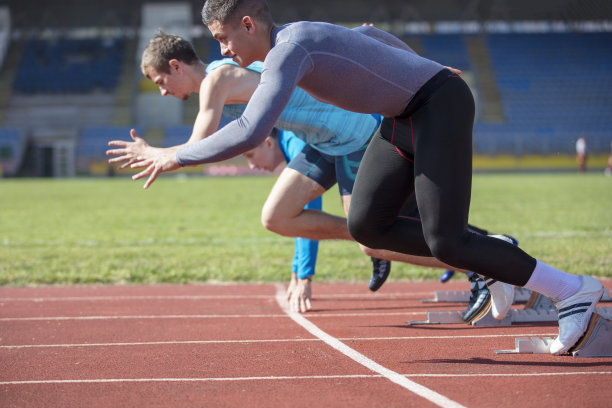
{"x":513,"y":316}
{"x":521,"y":295}
{"x":526,"y":345}
{"x":463,"y":296}
{"x":454,"y":317}
{"x":537,"y":301}
{"x":596,"y":342}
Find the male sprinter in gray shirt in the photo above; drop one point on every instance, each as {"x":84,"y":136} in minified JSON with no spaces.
{"x":423,"y":145}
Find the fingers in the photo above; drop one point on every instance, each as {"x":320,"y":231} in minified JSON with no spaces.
{"x":139,"y":162}
{"x":120,"y":143}
{"x":289,"y":292}
{"x":152,"y":178}
{"x":116,"y":152}
{"x":300,"y":297}
{"x":292,"y":285}
{"x":146,"y":172}
{"x":134,"y":135}
{"x":126,"y":164}
{"x":302,"y":305}
{"x":119,"y":159}
{"x":293,"y":303}
{"x":299,"y":304}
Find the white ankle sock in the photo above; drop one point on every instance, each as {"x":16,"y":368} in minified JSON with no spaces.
{"x":553,"y":283}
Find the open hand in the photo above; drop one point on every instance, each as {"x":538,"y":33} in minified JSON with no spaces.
{"x":139,"y":154}
{"x":129,"y":152}
{"x":157,"y":162}
{"x":300,"y":297}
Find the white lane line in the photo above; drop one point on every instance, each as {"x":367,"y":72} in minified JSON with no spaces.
{"x":95,"y":298}
{"x":52,"y":318}
{"x":248,"y":341}
{"x":315,"y":315}
{"x":392,"y":376}
{"x":17,"y":319}
{"x":153,"y":343}
{"x":306,"y":377}
{"x":365,"y":296}
{"x":511,"y":375}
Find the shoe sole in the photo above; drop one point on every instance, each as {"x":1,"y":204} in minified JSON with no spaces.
{"x":590,"y":310}
{"x":376,"y":282}
{"x":480,"y":314}
{"x":586,"y":337}
{"x":374,"y":286}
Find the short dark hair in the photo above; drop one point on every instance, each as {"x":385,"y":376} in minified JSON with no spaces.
{"x":164,"y":47}
{"x":224,"y":11}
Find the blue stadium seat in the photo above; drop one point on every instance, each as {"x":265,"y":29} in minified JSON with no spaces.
{"x":554,"y":87}
{"x":69,"y":66}
{"x":93,"y":141}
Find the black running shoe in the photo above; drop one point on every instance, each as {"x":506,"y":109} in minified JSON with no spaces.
{"x":380,"y":272}
{"x":480,"y":299}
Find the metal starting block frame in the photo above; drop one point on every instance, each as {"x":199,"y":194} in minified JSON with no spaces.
{"x":529,"y":345}
{"x":520,"y":295}
{"x":513,"y":316}
{"x":596,"y":342}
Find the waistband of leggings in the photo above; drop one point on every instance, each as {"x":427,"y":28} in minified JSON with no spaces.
{"x":425,"y":92}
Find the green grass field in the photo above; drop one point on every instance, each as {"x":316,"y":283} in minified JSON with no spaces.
{"x":197,"y":229}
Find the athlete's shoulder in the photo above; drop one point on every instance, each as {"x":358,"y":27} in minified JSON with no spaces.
{"x":228,"y":71}
{"x":216,"y":64}
{"x":306,"y":31}
{"x":227,"y":64}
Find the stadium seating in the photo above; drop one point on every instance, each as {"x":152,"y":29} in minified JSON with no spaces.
{"x":66,"y":65}
{"x":176,"y":135}
{"x":447,"y":49}
{"x":92,"y":145}
{"x":554,"y":87}
{"x":179,"y":134}
{"x":550,"y":88}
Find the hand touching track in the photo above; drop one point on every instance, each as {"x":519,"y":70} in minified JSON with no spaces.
{"x":299,"y":294}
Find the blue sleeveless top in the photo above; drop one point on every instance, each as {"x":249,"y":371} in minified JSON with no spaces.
{"x":329,"y":129}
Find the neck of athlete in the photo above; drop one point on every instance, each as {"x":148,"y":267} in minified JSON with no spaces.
{"x":196,"y":73}
{"x":266,"y":42}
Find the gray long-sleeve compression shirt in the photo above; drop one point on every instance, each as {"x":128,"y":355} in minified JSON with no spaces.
{"x":363,"y":70}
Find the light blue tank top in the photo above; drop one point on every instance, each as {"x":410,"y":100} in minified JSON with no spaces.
{"x":329,"y":129}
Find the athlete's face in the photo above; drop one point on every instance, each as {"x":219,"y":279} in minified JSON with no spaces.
{"x":236,"y":41}
{"x":173,"y":83}
{"x":263,"y":157}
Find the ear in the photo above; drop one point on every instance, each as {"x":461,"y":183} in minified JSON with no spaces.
{"x":248,"y":23}
{"x":175,"y":65}
{"x":269,"y":142}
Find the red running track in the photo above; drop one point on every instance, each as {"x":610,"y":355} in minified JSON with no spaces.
{"x":234,"y":345}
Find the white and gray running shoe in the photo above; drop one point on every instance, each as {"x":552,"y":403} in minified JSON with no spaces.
{"x":575,"y":313}
{"x":502,"y":297}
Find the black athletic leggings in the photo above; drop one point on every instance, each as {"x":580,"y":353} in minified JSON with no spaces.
{"x":428,"y":150}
